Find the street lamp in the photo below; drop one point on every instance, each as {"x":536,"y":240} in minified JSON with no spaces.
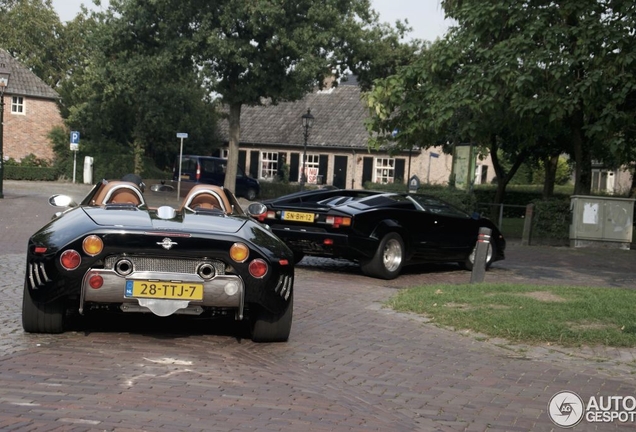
{"x":4,"y":82}
{"x":308,"y":122}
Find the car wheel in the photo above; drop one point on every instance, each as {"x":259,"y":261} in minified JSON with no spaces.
{"x":388,"y":259}
{"x":269,"y":327}
{"x":469,"y":263}
{"x":250,"y":195}
{"x":42,"y":317}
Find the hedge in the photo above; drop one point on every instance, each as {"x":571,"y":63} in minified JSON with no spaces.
{"x":12,"y":172}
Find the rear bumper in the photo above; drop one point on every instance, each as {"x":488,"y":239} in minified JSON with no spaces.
{"x":223,"y":291}
{"x":323,"y":243}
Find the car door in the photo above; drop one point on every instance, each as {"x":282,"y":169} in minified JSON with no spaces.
{"x":446,"y":233}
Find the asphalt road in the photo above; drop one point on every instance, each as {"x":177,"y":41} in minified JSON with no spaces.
{"x":350,"y":364}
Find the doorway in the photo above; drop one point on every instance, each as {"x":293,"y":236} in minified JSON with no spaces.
{"x":340,"y":171}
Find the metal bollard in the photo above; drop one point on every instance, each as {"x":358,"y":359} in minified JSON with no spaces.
{"x":481,"y":254}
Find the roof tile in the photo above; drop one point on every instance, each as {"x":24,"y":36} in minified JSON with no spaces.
{"x":23,"y":82}
{"x":339,"y":115}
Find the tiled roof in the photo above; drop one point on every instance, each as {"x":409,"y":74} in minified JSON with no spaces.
{"x":339,"y":115}
{"x":23,"y":82}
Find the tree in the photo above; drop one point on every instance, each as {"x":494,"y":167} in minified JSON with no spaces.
{"x":252,"y":51}
{"x":134,"y":90}
{"x":32,"y":33}
{"x":530,"y":77}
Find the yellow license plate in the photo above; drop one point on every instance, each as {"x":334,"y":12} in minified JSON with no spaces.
{"x":164,"y":290}
{"x":298,"y":216}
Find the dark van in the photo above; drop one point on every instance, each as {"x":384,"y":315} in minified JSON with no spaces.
{"x":211,"y":170}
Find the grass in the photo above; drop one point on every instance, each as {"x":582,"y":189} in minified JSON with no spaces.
{"x":567,"y":316}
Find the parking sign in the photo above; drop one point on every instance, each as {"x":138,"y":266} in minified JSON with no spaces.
{"x":75,"y":137}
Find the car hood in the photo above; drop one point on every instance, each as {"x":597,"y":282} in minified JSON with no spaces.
{"x":147,"y":219}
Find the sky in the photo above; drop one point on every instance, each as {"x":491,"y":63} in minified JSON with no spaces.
{"x":426,"y":17}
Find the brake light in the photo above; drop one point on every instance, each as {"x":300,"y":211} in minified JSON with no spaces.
{"x":258,"y":268}
{"x":70,"y":259}
{"x":40,"y":249}
{"x":338,"y":221}
{"x":96,"y":281}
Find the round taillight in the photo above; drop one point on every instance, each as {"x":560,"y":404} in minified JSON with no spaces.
{"x":239,"y":252}
{"x":96,"y":281}
{"x":92,"y":245}
{"x":70,"y":259}
{"x":258,"y":268}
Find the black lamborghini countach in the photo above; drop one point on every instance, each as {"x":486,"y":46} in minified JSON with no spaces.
{"x":382,"y":231}
{"x":114,"y":253}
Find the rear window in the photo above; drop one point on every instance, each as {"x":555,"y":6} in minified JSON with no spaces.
{"x":397,"y":201}
{"x":213,"y":166}
{"x":188,"y":165}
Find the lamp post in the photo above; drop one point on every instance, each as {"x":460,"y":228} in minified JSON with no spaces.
{"x":308,"y":122}
{"x":4,"y":82}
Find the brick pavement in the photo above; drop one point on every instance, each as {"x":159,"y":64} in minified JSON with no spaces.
{"x":350,"y":364}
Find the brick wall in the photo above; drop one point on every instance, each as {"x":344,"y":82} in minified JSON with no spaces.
{"x":28,"y":133}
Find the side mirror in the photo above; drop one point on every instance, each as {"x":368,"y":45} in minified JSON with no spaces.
{"x":62,"y":201}
{"x":256,"y":209}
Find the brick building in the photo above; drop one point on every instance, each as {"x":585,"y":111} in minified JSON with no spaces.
{"x":30,"y":112}
{"x":338,"y":153}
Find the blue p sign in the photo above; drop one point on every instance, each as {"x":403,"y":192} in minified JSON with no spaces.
{"x":75,"y":135}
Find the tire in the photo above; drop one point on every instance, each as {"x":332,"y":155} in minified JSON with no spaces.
{"x":250,"y":195}
{"x":388,"y":259}
{"x":268,"y":327}
{"x":42,"y":317}
{"x":468,"y":264}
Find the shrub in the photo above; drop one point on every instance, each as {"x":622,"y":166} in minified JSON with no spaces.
{"x":551,"y":222}
{"x":30,"y":168}
{"x":13,"y":172}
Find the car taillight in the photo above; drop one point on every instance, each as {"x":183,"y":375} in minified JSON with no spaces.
{"x":96,"y":281}
{"x":239,"y":252}
{"x":40,"y":249}
{"x":92,"y":245}
{"x":271,"y":214}
{"x":70,"y":259}
{"x":338,"y":221}
{"x":258,"y":268}
{"x":198,"y":174}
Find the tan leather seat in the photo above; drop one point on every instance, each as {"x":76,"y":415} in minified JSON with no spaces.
{"x":119,"y":192}
{"x":206,"y":197}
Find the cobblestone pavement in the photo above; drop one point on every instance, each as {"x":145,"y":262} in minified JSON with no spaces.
{"x":350,"y":364}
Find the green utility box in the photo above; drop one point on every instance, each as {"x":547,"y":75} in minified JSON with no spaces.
{"x":601,"y":221}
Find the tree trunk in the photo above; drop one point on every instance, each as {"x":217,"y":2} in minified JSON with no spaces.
{"x":138,"y":157}
{"x":550,"y":165}
{"x":503,"y":178}
{"x":233,"y":147}
{"x":582,"y":156}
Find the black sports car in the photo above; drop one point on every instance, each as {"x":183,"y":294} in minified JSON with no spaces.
{"x":113,"y":252}
{"x":382,"y":231}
